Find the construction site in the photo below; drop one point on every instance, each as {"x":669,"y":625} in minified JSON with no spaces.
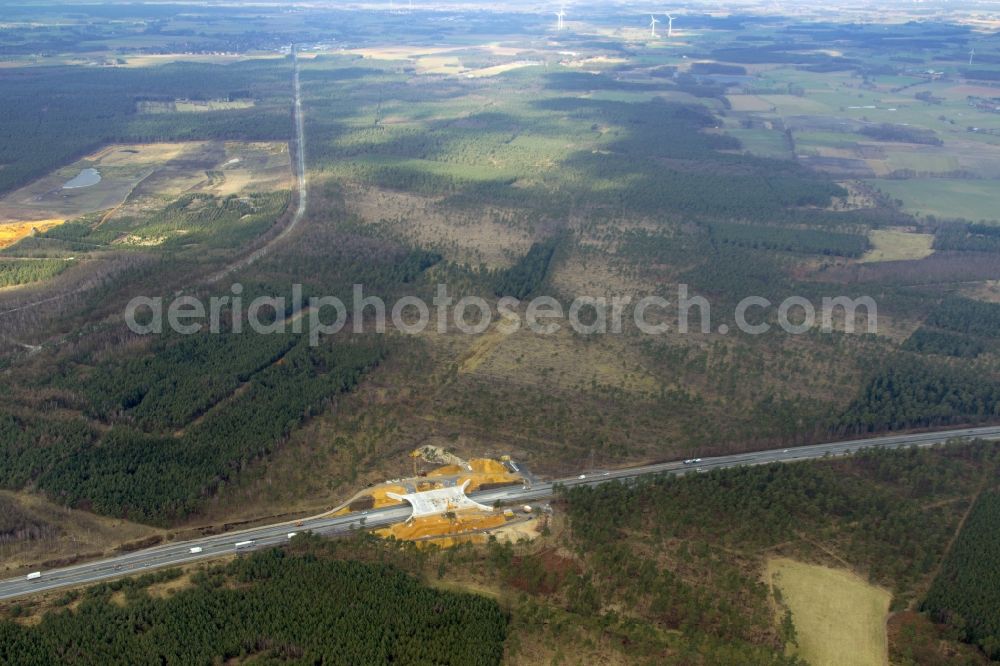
{"x":443,"y":514}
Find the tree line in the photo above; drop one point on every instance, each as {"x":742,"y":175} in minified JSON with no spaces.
{"x":53,"y":115}
{"x":15,"y":272}
{"x":912,"y":392}
{"x":526,"y":276}
{"x":683,"y":552}
{"x":959,"y":327}
{"x":163,"y":476}
{"x":966,"y":593}
{"x":270,"y":607}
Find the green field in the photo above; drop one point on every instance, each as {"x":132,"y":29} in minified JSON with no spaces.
{"x":766,"y":143}
{"x":839,"y":618}
{"x":946,"y":198}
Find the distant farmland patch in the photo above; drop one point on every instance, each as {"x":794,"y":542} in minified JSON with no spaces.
{"x":500,"y":69}
{"x":193,"y":106}
{"x":12,"y":232}
{"x":839,"y":618}
{"x":946,"y":198}
{"x":895,"y":245}
{"x":749,"y":103}
{"x":766,"y":143}
{"x":138,"y":172}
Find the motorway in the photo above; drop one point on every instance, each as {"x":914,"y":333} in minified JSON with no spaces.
{"x":178,"y":553}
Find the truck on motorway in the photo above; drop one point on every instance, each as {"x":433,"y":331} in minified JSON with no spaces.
{"x":244,"y":544}
{"x":196,"y":549}
{"x":34,"y":575}
{"x":292,"y":534}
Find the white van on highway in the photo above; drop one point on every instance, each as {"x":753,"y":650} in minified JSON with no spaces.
{"x":196,"y":549}
{"x":34,"y":575}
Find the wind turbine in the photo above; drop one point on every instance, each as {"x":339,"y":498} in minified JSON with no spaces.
{"x":559,"y":18}
{"x":670,"y":25}
{"x":652,"y":26}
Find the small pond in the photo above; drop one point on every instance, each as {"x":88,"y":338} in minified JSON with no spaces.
{"x":85,"y":178}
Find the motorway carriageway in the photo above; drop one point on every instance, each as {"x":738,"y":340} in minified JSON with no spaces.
{"x":179,"y":553}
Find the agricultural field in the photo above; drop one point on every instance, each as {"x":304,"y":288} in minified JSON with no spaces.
{"x":150,"y":170}
{"x":839,"y":618}
{"x":194,"y":106}
{"x":12,"y":232}
{"x":896,"y":245}
{"x":135,"y":179}
{"x":945,"y":198}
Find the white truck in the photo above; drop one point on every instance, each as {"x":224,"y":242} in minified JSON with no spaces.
{"x":196,"y":549}
{"x":244,"y":544}
{"x":292,"y":534}
{"x":34,"y":575}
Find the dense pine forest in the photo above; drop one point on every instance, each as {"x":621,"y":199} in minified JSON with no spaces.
{"x":14,"y":272}
{"x":55,"y":114}
{"x":146,"y":466}
{"x":271,"y":607}
{"x":966,"y":593}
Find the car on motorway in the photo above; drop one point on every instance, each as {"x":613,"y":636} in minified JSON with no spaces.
{"x":195,"y":550}
{"x":689,"y":461}
{"x":292,"y":534}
